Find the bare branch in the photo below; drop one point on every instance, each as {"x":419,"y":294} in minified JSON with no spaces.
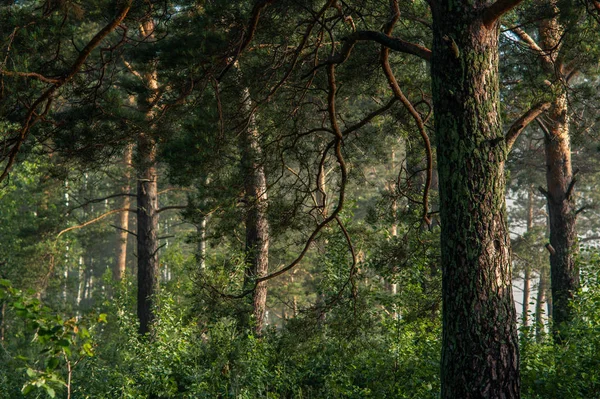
{"x":166,"y":208}
{"x":413,"y":112}
{"x":370,"y":116}
{"x":34,"y":75}
{"x":248,"y":35}
{"x":569,"y":192}
{"x":125,"y":230}
{"x":520,"y":124}
{"x":166,"y":190}
{"x":342,"y":193}
{"x":79,"y":226}
{"x":583,"y":209}
{"x":543,"y":126}
{"x":132,"y":70}
{"x":590,"y":238}
{"x":96,"y":200}
{"x":493,"y":13}
{"x":532,"y":44}
{"x":379,"y":37}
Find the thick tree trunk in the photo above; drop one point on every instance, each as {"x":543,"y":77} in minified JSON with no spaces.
{"x":257,"y":225}
{"x":564,"y":275}
{"x":480,"y":357}
{"x":147,"y":200}
{"x":147,"y":226}
{"x":123,"y":219}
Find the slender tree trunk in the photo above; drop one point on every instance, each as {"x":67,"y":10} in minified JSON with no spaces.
{"x":147,"y":202}
{"x":480,"y":357}
{"x":527,"y":271}
{"x":539,"y":306}
{"x":321,"y":194}
{"x":526,"y":295}
{"x":201,"y":228}
{"x":123,"y":218}
{"x":257,"y":225}
{"x":2,"y":321}
{"x":147,"y":226}
{"x":564,"y":275}
{"x":549,"y":303}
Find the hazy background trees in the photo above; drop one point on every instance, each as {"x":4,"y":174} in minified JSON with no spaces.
{"x":241,"y":126}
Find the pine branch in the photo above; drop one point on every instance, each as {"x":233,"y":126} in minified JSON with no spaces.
{"x":497,"y":10}
{"x":520,"y":124}
{"x":79,"y":226}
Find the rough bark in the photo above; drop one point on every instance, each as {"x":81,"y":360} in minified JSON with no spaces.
{"x":123,"y":219}
{"x":480,"y":357}
{"x":147,"y":201}
{"x":257,"y":225}
{"x":147,"y":239}
{"x":560,"y":182}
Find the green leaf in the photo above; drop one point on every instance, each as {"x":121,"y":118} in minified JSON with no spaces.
{"x":27,"y":388}
{"x":31,"y":373}
{"x":64,"y":343}
{"x":87,"y":348}
{"x":102,"y":318}
{"x":52,"y":363}
{"x":50,"y":391}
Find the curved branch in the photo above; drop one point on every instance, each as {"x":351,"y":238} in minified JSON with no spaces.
{"x":344,"y":178}
{"x":97,"y":200}
{"x":46,"y":97}
{"x":33,"y":75}
{"x":79,"y":226}
{"x":420,"y":125}
{"x":249,"y":34}
{"x":520,"y":124}
{"x":342,"y":195}
{"x":533,"y":46}
{"x":385,"y":40}
{"x":493,"y":13}
{"x":370,"y":116}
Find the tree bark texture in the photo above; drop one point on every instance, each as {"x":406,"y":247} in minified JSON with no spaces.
{"x":564,"y":276}
{"x":147,"y":200}
{"x":123,"y":218}
{"x":480,"y":357}
{"x":147,"y":226}
{"x":257,"y":225}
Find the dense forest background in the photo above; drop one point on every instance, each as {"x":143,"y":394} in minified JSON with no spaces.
{"x":299,"y":199}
